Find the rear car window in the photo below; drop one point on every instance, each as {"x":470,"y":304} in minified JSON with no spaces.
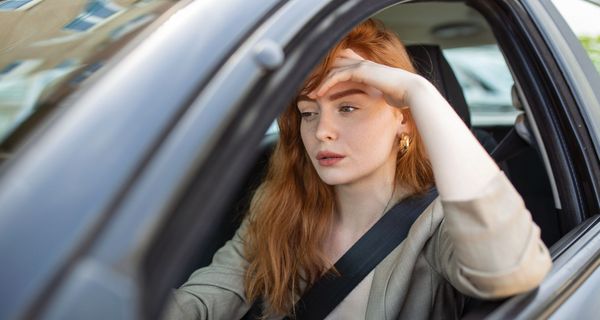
{"x":486,"y":82}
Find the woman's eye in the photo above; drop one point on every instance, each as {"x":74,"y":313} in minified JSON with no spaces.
{"x":308,"y":115}
{"x":347,"y":108}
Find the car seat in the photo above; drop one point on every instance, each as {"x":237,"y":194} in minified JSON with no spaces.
{"x":431,"y":64}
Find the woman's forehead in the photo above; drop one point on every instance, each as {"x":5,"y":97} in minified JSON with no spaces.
{"x":349,"y":86}
{"x":345,"y":88}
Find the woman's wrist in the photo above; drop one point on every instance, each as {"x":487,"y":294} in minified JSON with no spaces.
{"x":419,"y":89}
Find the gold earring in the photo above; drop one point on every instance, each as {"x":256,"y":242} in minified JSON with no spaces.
{"x":404,"y":142}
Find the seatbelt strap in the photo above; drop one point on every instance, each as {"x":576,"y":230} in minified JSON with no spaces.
{"x":376,"y":244}
{"x":511,"y":145}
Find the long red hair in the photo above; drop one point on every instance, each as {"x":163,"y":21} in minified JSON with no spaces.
{"x":292,"y":211}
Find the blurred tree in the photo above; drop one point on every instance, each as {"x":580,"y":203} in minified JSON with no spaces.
{"x":592,"y":46}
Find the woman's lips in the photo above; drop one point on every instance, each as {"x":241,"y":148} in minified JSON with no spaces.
{"x":327,"y":158}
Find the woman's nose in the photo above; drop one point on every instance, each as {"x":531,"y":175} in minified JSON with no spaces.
{"x":326,"y":128}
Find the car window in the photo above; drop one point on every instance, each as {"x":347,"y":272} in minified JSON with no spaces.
{"x":582,"y":16}
{"x":52,"y":48}
{"x":486,"y":82}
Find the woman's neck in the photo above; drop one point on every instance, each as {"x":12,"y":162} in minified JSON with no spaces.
{"x":361,"y":204}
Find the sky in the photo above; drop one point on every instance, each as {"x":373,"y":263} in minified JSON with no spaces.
{"x":582,"y":16}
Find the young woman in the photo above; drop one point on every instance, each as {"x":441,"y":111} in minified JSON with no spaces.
{"x":366,"y":132}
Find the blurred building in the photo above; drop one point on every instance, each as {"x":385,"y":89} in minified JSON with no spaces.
{"x":45,"y":42}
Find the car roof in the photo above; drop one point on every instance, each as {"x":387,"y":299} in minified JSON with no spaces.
{"x":449,"y":24}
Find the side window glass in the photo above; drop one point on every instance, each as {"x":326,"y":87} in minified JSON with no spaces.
{"x":486,"y":82}
{"x":582,"y":16}
{"x":49,"y":49}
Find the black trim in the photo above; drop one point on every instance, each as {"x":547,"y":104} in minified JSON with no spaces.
{"x":571,"y":239}
{"x":549,"y":98}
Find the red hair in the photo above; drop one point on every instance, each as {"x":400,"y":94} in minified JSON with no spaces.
{"x":292,"y":211}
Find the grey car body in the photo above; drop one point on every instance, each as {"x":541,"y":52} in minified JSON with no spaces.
{"x":103,"y":228}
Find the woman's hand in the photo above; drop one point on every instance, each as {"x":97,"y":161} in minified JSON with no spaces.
{"x":397,"y":85}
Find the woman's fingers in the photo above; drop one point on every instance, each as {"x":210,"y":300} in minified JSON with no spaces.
{"x":336,"y":76}
{"x":362,"y":71}
{"x":349,"y":53}
{"x":343,"y":61}
{"x":346,"y":57}
{"x":349,"y":66}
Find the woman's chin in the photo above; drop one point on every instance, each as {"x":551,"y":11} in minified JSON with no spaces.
{"x":335,"y":179}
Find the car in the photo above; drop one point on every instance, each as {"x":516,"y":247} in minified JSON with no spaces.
{"x":133,"y":134}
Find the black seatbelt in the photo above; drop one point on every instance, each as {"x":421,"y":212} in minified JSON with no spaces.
{"x":376,"y":244}
{"x":511,"y":145}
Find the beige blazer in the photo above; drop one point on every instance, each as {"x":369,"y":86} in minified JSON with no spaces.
{"x":487,"y":247}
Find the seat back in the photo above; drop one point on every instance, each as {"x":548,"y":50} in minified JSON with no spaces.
{"x":431,"y":64}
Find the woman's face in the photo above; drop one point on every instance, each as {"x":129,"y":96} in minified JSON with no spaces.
{"x":350,"y":133}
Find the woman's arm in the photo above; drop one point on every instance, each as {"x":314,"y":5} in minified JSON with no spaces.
{"x":461,"y":166}
{"x":488,"y":246}
{"x":216,"y":291}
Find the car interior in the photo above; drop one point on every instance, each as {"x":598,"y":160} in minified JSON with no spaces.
{"x":429,"y":30}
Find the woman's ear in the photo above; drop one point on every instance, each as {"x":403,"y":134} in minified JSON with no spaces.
{"x":404,"y":125}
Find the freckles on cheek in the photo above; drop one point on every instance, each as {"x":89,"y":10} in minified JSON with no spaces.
{"x":304,"y":136}
{"x":366,"y":132}
{"x":373,"y":134}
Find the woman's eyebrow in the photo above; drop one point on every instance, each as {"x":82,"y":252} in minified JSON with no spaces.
{"x":304,"y":97}
{"x":344,"y":93}
{"x":335,"y":96}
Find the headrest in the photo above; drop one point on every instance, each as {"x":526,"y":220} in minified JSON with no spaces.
{"x":431,"y":64}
